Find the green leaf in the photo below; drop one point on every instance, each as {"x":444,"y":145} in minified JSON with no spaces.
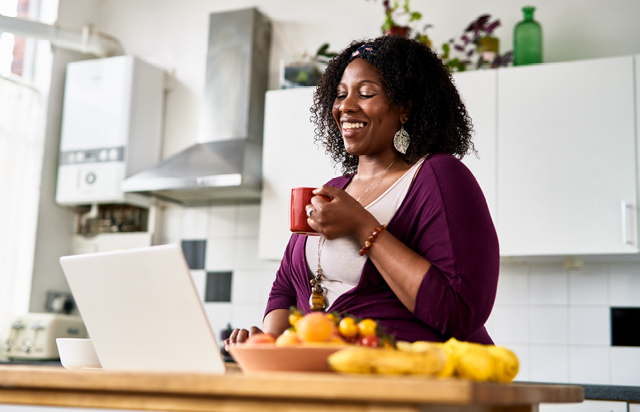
{"x":322,"y":50}
{"x":416,"y":15}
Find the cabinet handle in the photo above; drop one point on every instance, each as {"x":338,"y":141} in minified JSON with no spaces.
{"x":625,"y":232}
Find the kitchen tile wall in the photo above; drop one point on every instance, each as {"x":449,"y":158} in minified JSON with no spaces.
{"x":558,"y":321}
{"x":231,"y":234}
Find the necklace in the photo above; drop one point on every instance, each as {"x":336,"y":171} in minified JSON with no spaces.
{"x":377,"y":178}
{"x":318,"y":300}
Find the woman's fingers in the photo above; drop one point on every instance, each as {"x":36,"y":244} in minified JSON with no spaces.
{"x":240,"y":335}
{"x":254,"y":331}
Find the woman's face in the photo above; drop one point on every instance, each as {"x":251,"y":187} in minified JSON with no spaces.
{"x":366,"y":118}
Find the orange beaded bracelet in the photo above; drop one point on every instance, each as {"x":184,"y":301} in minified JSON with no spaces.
{"x":373,"y":237}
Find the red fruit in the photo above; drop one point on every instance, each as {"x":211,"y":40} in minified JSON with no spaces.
{"x":370,"y":341}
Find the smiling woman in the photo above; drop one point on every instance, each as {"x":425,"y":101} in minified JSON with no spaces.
{"x":407,"y":238}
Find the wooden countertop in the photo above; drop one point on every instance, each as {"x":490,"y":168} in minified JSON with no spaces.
{"x":234,"y":391}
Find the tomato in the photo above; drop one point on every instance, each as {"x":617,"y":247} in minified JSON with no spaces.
{"x":367,"y":327}
{"x":294,"y":317}
{"x":348,"y":328}
{"x":370,"y":341}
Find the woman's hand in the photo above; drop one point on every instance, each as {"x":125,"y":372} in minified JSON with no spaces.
{"x":340,"y":217}
{"x":240,"y":335}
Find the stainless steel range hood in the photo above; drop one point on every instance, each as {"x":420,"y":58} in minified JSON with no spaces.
{"x":226,"y":164}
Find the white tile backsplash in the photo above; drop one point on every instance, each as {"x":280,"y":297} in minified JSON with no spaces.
{"x":624,"y":284}
{"x":549,"y":285}
{"x":589,"y":365}
{"x":222,"y":222}
{"x":220,"y":255}
{"x":195,"y":223}
{"x":589,"y":286}
{"x":246,"y":286}
{"x":247,"y":253}
{"x":248,"y":221}
{"x":549,"y":363}
{"x":199,"y":281}
{"x":513,"y":285}
{"x":219,"y":315}
{"x":549,"y":325}
{"x":625,"y":366}
{"x":589,"y":325}
{"x":509,"y":325}
{"x":245,"y":315}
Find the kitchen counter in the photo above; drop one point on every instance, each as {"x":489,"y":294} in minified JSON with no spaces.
{"x":603,"y":392}
{"x":35,"y":385}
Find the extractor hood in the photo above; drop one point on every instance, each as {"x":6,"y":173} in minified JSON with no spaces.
{"x":226,"y":163}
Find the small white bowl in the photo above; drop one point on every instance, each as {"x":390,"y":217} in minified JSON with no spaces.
{"x":77,"y":354}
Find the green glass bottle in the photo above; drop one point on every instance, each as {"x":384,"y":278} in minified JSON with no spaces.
{"x":527,"y":40}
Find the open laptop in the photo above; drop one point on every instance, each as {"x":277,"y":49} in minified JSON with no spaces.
{"x":142,"y":310}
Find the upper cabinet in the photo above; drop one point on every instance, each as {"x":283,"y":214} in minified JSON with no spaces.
{"x":557,"y":156}
{"x":567,"y":159}
{"x":478,"y":90}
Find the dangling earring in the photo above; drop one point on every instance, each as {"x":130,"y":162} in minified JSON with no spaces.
{"x":401,"y":140}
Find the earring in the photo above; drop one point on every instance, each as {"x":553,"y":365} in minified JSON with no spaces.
{"x":401,"y":140}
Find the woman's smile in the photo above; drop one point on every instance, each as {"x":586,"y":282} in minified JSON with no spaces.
{"x":363,"y":112}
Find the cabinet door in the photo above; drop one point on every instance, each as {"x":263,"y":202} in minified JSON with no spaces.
{"x":478,"y":91}
{"x":289,"y":159}
{"x":567,"y":158}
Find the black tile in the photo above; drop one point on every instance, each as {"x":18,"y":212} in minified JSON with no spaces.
{"x":218,"y":287}
{"x":625,"y":326}
{"x":194,"y":251}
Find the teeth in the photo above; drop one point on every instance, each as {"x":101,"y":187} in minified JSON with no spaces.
{"x":346,"y":125}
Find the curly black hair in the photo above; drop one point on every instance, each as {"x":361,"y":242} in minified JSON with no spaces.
{"x":413,"y":75}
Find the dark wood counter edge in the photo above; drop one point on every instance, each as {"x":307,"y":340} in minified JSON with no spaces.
{"x":274,"y":385}
{"x":603,"y":392}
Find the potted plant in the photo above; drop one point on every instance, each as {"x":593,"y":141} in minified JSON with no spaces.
{"x":393,"y":14}
{"x":477,"y":39}
{"x":304,"y":70}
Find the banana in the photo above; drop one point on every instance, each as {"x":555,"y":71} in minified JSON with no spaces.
{"x":392,"y":362}
{"x":506,"y":364}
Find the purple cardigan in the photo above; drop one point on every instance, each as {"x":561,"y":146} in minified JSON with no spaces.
{"x":444,"y":217}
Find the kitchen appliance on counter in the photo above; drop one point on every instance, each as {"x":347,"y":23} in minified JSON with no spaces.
{"x":33,"y":336}
{"x":226,"y":163}
{"x":111,"y":129}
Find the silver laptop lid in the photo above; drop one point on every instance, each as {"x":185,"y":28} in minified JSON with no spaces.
{"x":142,"y":310}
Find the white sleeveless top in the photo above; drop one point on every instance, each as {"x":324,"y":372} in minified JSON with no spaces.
{"x":340,"y":261}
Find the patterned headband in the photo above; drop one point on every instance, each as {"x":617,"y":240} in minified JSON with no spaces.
{"x":363,"y":50}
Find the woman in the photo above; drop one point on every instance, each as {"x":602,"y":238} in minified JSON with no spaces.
{"x":430,"y":273}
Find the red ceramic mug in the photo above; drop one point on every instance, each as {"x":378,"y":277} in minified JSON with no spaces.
{"x":300,"y":198}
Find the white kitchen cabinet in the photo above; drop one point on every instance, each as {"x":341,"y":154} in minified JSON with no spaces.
{"x":567,"y":159}
{"x":478,"y":90}
{"x":290,"y":158}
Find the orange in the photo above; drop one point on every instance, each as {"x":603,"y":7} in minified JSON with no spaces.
{"x":287,"y":339}
{"x":314,"y":327}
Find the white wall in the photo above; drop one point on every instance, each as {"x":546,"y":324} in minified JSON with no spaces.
{"x":173,"y":35}
{"x":55,"y":224}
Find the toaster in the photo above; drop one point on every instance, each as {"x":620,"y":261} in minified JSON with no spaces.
{"x":33,"y":336}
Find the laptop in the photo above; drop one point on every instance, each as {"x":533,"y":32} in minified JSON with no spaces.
{"x":142,"y":310}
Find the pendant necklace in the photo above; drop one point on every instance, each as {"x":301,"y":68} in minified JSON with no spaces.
{"x":318,"y":300}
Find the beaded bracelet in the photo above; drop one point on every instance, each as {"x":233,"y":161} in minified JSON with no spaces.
{"x":373,"y":237}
